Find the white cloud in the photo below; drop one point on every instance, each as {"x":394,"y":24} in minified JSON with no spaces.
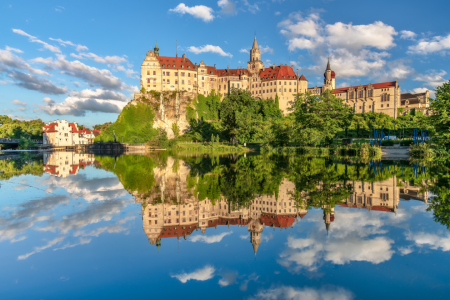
{"x":209,"y":239}
{"x":36,"y":40}
{"x":296,"y":25}
{"x":407,"y":35}
{"x":59,"y":8}
{"x":9,"y":59}
{"x":253,"y":8}
{"x":82,"y":241}
{"x":277,"y":13}
{"x":228,"y":279}
{"x":203,"y":274}
{"x":208,"y":48}
{"x":435,"y":44}
{"x":266,"y":49}
{"x":100,"y":94}
{"x":91,"y":75}
{"x":306,"y":293}
{"x":77,"y":106}
{"x":433,"y":241}
{"x":18,"y":102}
{"x":227,"y":7}
{"x":377,"y":35}
{"x":64,"y":43}
{"x":244,"y":236}
{"x":39,"y":249}
{"x":199,"y":11}
{"x":243,"y":50}
{"x":432,"y":78}
{"x":405,"y":250}
{"x":106,"y":60}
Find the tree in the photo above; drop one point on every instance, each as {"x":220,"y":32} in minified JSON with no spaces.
{"x":277,"y":101}
{"x":232,"y":112}
{"x":176,"y":130}
{"x":440,"y":108}
{"x":319,"y":117}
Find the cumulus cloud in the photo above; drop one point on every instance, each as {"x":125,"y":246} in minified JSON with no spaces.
{"x":243,"y":50}
{"x":34,"y":83}
{"x":433,"y":241}
{"x":277,"y":13}
{"x":227,"y":7}
{"x":34,"y":39}
{"x":209,"y":239}
{"x":202,"y":12}
{"x":39,"y":249}
{"x":9,"y":59}
{"x":101,"y":94}
{"x":90,"y":75}
{"x":76,"y":106}
{"x":439,"y":44}
{"x":423,"y":90}
{"x":65,"y":43}
{"x":294,"y":293}
{"x":208,"y":48}
{"x":228,"y":279}
{"x":407,"y":35}
{"x":18,"y":102}
{"x":203,"y":274}
{"x":354,"y":49}
{"x":432,"y":78}
{"x":82,"y":241}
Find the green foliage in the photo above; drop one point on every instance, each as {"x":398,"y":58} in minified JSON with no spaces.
{"x":26,"y":164}
{"x":176,"y":130}
{"x":135,"y":172}
{"x":143,"y":91}
{"x":134,"y":124}
{"x":319,"y":118}
{"x":16,"y":129}
{"x":387,"y":143}
{"x":103,"y":126}
{"x":25,"y":143}
{"x":162,"y":141}
{"x":441,"y":113}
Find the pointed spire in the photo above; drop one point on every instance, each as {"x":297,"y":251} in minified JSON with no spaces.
{"x":255,"y":248}
{"x":327,"y":225}
{"x":255,"y":43}
{"x":328,"y":65}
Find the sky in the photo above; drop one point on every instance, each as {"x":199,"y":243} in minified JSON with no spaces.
{"x":80,"y":61}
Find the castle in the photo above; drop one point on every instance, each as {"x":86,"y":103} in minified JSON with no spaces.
{"x":164,"y":73}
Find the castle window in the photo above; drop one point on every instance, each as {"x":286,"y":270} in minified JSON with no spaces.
{"x":284,"y":82}
{"x":182,"y":81}
{"x":289,"y":90}
{"x":164,"y":73}
{"x":189,"y":67}
{"x":148,"y":72}
{"x":164,"y":81}
{"x":290,"y":83}
{"x":168,"y":73}
{"x":370,"y":93}
{"x":203,"y":84}
{"x":381,"y":105}
{"x":189,"y":82}
{"x":182,"y":74}
{"x":168,"y":81}
{"x":295,"y":83}
{"x":176,"y":73}
{"x":154,"y":72}
{"x":295,"y":90}
{"x":203,"y":78}
{"x":280,"y":90}
{"x":285,"y":90}
{"x":195,"y":75}
{"x":182,"y":66}
{"x":173,"y":66}
{"x":387,"y":105}
{"x":350,"y":95}
{"x":361,"y":94}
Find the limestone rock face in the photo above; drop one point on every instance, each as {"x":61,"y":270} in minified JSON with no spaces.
{"x":169,"y":108}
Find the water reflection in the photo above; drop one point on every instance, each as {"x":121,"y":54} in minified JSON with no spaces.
{"x":297,"y":216}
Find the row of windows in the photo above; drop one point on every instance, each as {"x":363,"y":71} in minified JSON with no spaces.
{"x":370,"y":106}
{"x":360,"y":94}
{"x":176,"y":74}
{"x":273,"y":91}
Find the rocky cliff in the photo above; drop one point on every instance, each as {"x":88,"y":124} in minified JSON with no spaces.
{"x":169,"y":107}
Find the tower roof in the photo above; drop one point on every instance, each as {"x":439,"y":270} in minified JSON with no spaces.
{"x":255,"y":248}
{"x":255,"y":44}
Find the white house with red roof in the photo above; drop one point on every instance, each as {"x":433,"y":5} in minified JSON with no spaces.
{"x":62,"y":134}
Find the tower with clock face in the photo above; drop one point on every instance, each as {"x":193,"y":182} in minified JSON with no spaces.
{"x":255,"y":64}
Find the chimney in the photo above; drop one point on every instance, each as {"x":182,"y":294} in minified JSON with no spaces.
{"x":228,"y":67}
{"x":184,"y":56}
{"x":214,"y":65}
{"x":273,"y":66}
{"x":297,"y":73}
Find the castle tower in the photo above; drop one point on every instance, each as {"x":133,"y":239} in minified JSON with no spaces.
{"x":255,"y":228}
{"x":156,"y":49}
{"x":255,"y":64}
{"x":329,"y":80}
{"x":328,"y":216}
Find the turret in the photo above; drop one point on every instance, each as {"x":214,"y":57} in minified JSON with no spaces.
{"x":156,"y":49}
{"x":255,"y":52}
{"x":329,"y":80}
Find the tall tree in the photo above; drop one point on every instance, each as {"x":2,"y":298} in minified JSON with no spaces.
{"x":441,"y":113}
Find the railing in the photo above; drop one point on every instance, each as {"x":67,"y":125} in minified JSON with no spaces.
{"x":16,"y":141}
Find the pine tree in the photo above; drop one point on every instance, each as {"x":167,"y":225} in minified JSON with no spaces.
{"x":277,"y":101}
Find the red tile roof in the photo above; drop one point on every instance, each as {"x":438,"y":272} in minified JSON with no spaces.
{"x":378,"y":208}
{"x":375,"y":86}
{"x":50,"y":127}
{"x":284,"y":221}
{"x":177,"y":230}
{"x":177,"y":61}
{"x":277,"y":72}
{"x":50,"y":169}
{"x":303,"y":78}
{"x":231,"y":72}
{"x":74,"y":128}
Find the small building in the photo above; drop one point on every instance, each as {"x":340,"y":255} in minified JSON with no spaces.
{"x":62,"y":133}
{"x":417,"y":102}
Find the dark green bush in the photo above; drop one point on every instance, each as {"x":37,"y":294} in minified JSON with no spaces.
{"x":406,"y":143}
{"x":387,"y":143}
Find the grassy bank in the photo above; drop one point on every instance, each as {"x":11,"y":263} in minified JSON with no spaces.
{"x":363,"y":149}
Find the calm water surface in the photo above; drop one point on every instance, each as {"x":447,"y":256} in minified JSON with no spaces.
{"x":166,"y":226}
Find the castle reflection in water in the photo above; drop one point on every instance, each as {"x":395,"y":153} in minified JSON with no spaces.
{"x":172,"y":210}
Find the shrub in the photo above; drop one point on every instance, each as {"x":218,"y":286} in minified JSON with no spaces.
{"x":387,"y":143}
{"x":406,"y":143}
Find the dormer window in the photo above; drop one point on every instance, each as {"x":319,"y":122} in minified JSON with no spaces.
{"x":174,"y":66}
{"x":182,"y":66}
{"x":189,"y":67}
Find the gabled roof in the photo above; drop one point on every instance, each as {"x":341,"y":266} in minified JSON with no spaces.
{"x":281,"y":221}
{"x":50,"y":127}
{"x":177,"y":61}
{"x":375,"y":86}
{"x":303,"y":78}
{"x":277,"y":72}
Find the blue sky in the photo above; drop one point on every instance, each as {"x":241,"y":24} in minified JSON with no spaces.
{"x":80,"y":60}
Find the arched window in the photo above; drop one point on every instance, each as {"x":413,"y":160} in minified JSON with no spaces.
{"x":351,"y":95}
{"x":361,"y":94}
